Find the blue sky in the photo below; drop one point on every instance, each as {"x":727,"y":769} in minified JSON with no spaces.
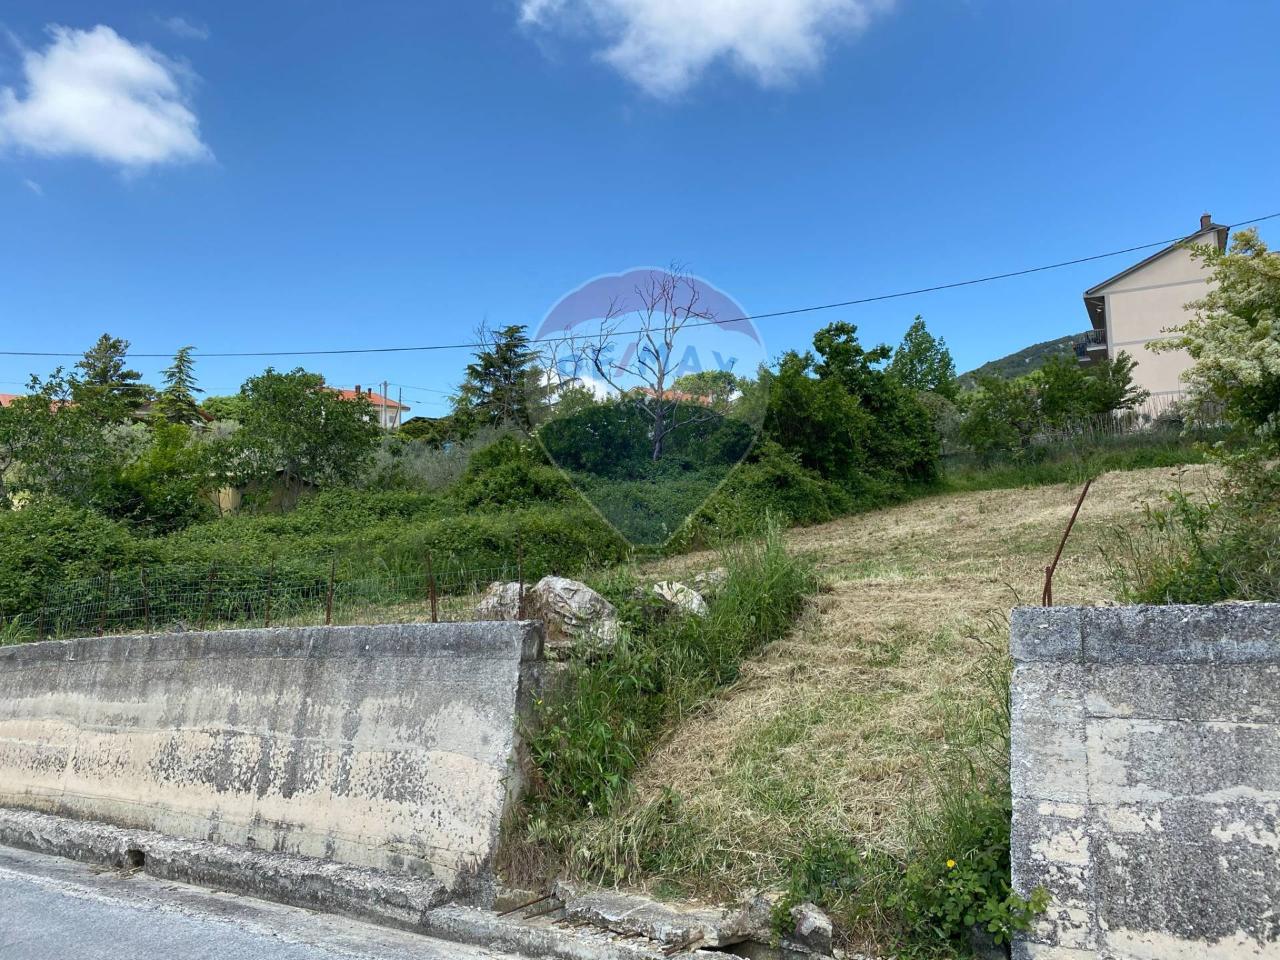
{"x":290,"y":175}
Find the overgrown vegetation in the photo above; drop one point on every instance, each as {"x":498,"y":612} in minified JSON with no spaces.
{"x":1226,"y":545}
{"x":591,"y":737}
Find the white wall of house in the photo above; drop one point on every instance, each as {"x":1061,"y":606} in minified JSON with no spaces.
{"x":1143,"y":305}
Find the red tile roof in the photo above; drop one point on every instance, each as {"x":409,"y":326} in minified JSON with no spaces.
{"x":6,"y":399}
{"x":377,"y":399}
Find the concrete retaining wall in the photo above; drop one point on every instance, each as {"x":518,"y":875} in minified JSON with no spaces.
{"x":391,"y":747}
{"x":1146,"y":780}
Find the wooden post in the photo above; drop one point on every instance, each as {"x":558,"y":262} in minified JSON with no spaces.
{"x":146,"y":599}
{"x":328,"y":600}
{"x":106,"y":602}
{"x":208,"y":595}
{"x":431,"y":590}
{"x":271,"y":582}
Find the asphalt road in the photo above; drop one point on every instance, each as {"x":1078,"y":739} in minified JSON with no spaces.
{"x":55,"y":909}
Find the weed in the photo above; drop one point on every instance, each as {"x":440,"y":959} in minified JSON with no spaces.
{"x":590,"y":740}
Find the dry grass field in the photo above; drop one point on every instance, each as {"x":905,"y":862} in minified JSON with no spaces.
{"x":836,"y":726}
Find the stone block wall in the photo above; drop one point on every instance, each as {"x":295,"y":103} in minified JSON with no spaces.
{"x":392,"y":747}
{"x":1146,"y":780}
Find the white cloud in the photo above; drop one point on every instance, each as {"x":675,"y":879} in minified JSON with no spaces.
{"x":33,"y":187}
{"x":184,"y":28}
{"x":93,"y":93}
{"x":664,"y":45}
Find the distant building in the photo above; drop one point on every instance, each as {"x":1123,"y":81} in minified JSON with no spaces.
{"x":1140,"y":304}
{"x":389,"y":412}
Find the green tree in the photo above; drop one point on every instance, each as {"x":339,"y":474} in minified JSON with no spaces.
{"x":905,"y":441}
{"x":1234,"y":337}
{"x":718,"y":386}
{"x":503,"y":384}
{"x":816,"y":420}
{"x":161,"y":489}
{"x":106,"y":386}
{"x":923,"y":362}
{"x":1001,"y":416}
{"x":52,"y":446}
{"x":224,"y":407}
{"x":177,"y":401}
{"x":1110,"y":386}
{"x":296,"y":431}
{"x":435,"y":431}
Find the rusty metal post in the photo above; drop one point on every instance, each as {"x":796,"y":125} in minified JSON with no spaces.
{"x":106,"y":602}
{"x":328,"y":600}
{"x":431,"y":590}
{"x":44,"y":606}
{"x":1046,"y":596}
{"x":520,"y":575}
{"x":271,"y":582}
{"x":146,"y":599}
{"x":208,"y":595}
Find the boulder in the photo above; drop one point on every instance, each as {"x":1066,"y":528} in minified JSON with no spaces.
{"x":574,"y":613}
{"x":812,"y":929}
{"x":682,"y":597}
{"x":501,"y":601}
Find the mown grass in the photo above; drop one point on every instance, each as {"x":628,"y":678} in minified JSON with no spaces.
{"x":613,"y":708}
{"x":860,"y":735}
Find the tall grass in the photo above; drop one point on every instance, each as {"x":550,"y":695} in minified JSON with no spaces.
{"x":1223,"y":546}
{"x":613,"y":708}
{"x":1075,"y":461}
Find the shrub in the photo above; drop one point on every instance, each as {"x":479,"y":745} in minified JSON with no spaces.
{"x":161,"y":489}
{"x":50,"y":541}
{"x":773,"y":484}
{"x":1007,"y":417}
{"x":1206,"y":550}
{"x":510,"y":473}
{"x":964,"y":880}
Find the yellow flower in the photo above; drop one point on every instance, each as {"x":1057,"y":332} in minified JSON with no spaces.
{"x":951,"y":864}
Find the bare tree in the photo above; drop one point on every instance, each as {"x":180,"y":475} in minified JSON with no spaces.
{"x":646,"y":331}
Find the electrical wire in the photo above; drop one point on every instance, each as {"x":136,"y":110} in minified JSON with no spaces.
{"x":795,"y":311}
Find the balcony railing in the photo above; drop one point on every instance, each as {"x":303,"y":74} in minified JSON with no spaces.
{"x":1090,"y":341}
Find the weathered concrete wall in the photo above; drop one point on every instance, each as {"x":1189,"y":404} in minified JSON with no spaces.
{"x":1146,"y":780}
{"x":392,"y":747}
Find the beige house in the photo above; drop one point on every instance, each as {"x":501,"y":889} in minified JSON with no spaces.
{"x":1139,"y":304}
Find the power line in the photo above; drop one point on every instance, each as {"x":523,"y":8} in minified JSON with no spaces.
{"x":409,"y":386}
{"x":795,"y":311}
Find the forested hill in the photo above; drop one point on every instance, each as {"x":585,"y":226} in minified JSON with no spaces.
{"x":1024,"y":361}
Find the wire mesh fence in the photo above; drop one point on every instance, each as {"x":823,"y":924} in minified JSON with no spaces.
{"x":179,"y":598}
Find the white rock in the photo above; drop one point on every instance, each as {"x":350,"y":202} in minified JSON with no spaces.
{"x":710,"y":581}
{"x":683,"y":597}
{"x":501,"y":601}
{"x":573,"y":612}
